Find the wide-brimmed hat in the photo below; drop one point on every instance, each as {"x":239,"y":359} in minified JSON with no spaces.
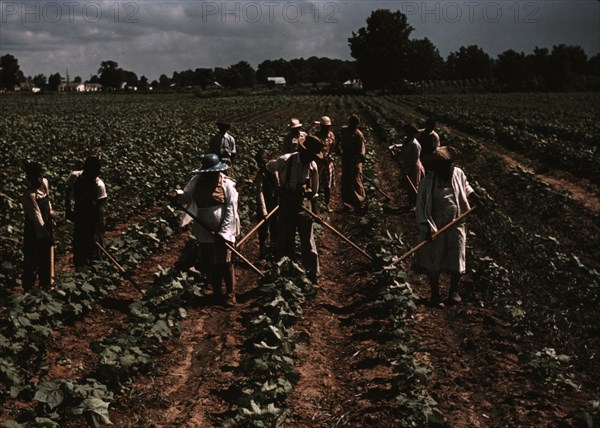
{"x":211,"y":163}
{"x":410,"y":129}
{"x":443,"y":153}
{"x":325,"y":120}
{"x":314,"y":145}
{"x":294,"y":123}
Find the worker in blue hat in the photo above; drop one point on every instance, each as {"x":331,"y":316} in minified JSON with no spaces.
{"x":212,"y":198}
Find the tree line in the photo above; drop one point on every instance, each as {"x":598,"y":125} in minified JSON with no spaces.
{"x":385,"y":57}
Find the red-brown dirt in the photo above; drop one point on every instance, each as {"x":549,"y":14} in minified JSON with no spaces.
{"x":477,"y":374}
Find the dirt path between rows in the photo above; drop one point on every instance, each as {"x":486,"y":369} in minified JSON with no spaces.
{"x":581,"y":190}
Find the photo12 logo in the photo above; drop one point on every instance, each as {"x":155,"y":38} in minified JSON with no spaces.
{"x":68,"y":11}
{"x":526,"y":12}
{"x":270,"y":11}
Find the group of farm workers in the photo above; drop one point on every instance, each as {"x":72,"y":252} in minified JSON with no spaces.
{"x":288,"y":189}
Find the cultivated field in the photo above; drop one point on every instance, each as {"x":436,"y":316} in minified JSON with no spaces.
{"x":363,"y":349}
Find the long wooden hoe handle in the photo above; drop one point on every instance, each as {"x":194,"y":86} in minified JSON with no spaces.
{"x":255,"y":228}
{"x":436,"y":234}
{"x":385,"y":195}
{"x":119,"y":267}
{"x":330,"y":227}
{"x":227,"y":244}
{"x":412,"y":185}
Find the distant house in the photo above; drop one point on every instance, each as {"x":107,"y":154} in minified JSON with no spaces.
{"x":276,"y":80}
{"x":66,"y":86}
{"x":92,"y":87}
{"x":27,"y":87}
{"x":353,"y":83}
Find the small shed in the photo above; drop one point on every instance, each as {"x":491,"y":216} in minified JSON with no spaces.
{"x":276,"y":80}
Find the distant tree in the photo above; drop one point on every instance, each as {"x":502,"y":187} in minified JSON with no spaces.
{"x":515,"y":71}
{"x":143,"y":83}
{"x":274,"y":68}
{"x":130,"y":79}
{"x":469,"y":63}
{"x":77,"y":79}
{"x":204,"y":77}
{"x":240,"y":75}
{"x":111,"y":76}
{"x":54,"y":81}
{"x":95,"y":79}
{"x":40,"y":81}
{"x":308,"y":70}
{"x":540,"y":60}
{"x":382,"y":49}
{"x":425,"y":61}
{"x":155,"y":84}
{"x":594,"y":65}
{"x":10,"y":72}
{"x":164,"y":81}
{"x":566,"y":63}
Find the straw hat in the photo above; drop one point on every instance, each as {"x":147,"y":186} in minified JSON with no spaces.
{"x":443,"y":153}
{"x":325,"y":120}
{"x":314,"y":145}
{"x":294,"y":123}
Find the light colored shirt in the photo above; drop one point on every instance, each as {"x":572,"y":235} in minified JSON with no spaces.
{"x":293,"y":177}
{"x":32,"y":210}
{"x":222,"y":143}
{"x":221,"y":219}
{"x":100,"y":186}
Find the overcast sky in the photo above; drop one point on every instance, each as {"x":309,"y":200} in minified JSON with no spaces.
{"x":155,"y":37}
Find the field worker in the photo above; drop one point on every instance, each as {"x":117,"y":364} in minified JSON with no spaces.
{"x":352,"y":149}
{"x":299,"y":183}
{"x":37,"y":243}
{"x":223,"y":143}
{"x":326,"y":166}
{"x":89,"y":193}
{"x":412,"y":168}
{"x":266,"y":200}
{"x":294,"y":137}
{"x":211,"y":196}
{"x":443,"y":196}
{"x":429,"y":141}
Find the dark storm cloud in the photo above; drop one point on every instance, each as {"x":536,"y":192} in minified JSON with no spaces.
{"x":156,"y":37}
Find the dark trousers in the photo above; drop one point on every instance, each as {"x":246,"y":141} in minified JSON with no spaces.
{"x":36,"y":254}
{"x":291,"y":221}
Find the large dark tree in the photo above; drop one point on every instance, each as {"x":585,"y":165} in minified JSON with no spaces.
{"x":54,"y":81}
{"x":40,"y":81}
{"x":10,"y":72}
{"x":566,"y":63}
{"x":204,"y":77}
{"x":425,"y":61}
{"x":111,"y":76}
{"x":382,"y":49}
{"x":469,"y":63}
{"x":515,"y":71}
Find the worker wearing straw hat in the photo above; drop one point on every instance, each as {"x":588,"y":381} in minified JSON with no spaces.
{"x":326,"y":165}
{"x":298,"y":183}
{"x":294,"y":137}
{"x":443,"y":196}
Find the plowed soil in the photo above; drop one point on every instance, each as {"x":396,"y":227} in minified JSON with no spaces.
{"x":478,"y":376}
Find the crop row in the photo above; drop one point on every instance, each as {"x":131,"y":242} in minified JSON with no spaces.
{"x":540,"y":281}
{"x":556,"y":143}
